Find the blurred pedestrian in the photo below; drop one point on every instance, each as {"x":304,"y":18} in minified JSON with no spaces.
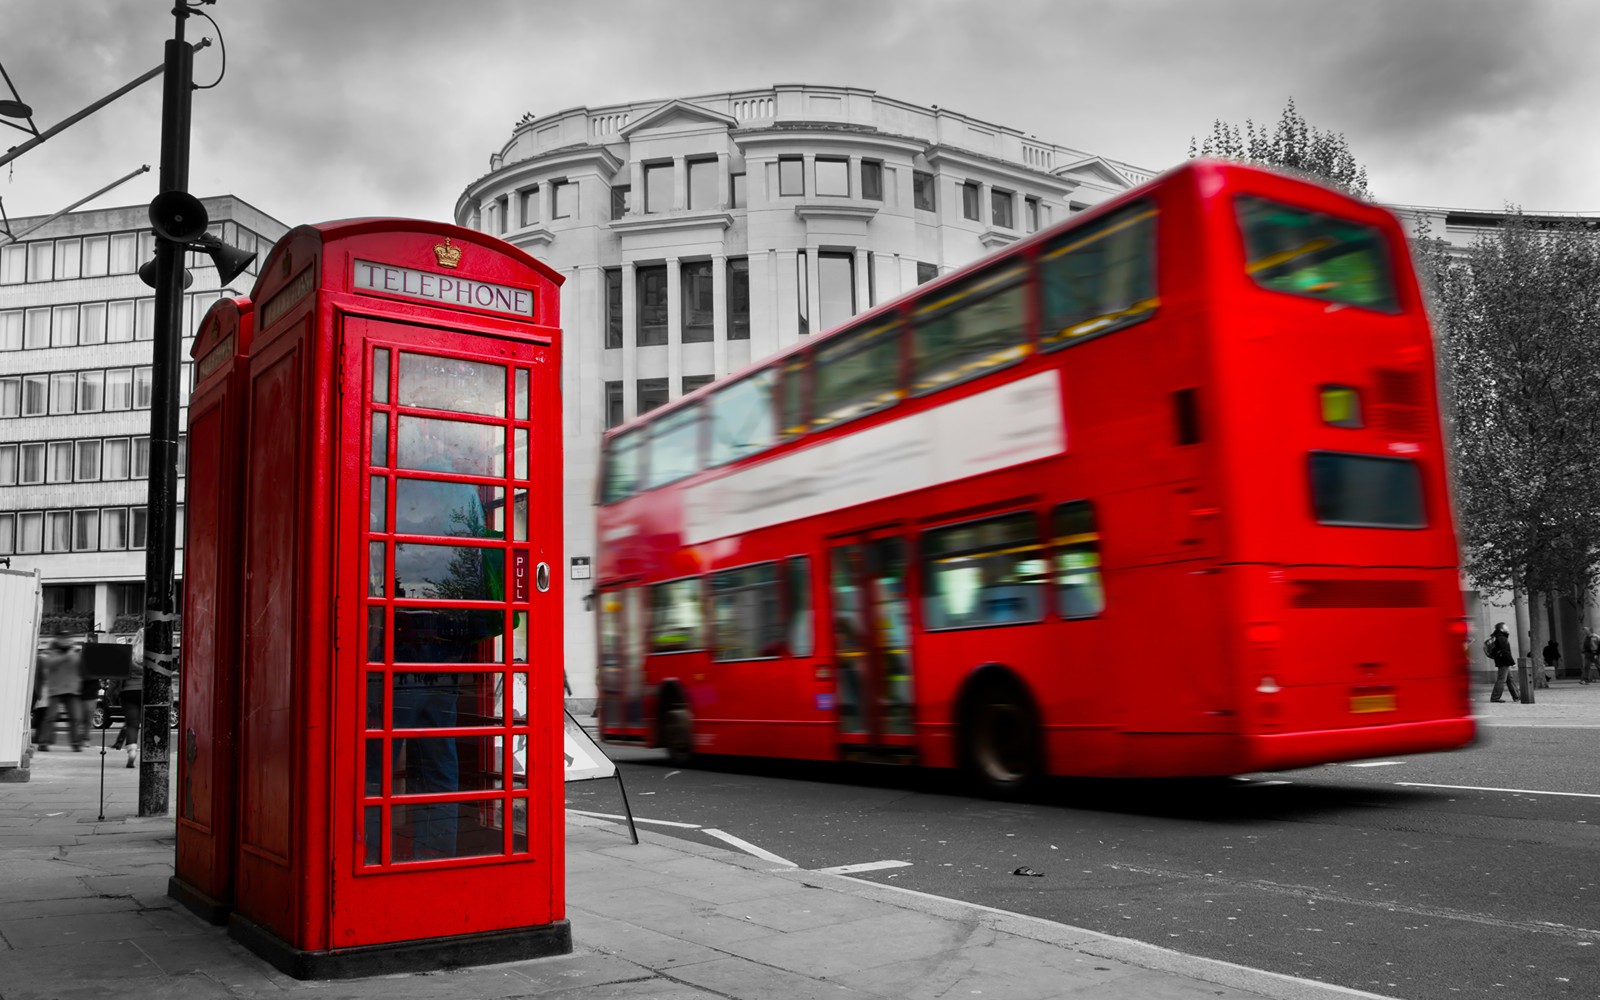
{"x":64,"y":677}
{"x":1552,"y":660}
{"x":1499,"y":646}
{"x":133,"y":703}
{"x":1591,"y":655}
{"x":41,"y":702}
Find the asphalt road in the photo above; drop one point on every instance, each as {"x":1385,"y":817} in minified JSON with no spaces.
{"x":1343,"y":874}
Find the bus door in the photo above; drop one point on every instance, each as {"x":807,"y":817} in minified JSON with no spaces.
{"x":873,"y":673}
{"x":621,"y":662}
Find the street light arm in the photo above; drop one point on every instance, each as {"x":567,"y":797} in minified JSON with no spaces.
{"x":16,"y":151}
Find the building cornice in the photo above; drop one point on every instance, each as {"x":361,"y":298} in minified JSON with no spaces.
{"x":813,"y":134}
{"x":996,"y":238}
{"x":815,"y":208}
{"x":661,"y":222}
{"x":967,"y":160}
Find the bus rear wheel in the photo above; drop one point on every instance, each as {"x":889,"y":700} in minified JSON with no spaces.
{"x":677,"y":732}
{"x":1001,"y":745}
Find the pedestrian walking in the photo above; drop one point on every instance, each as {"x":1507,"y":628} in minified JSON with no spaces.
{"x":1591,"y":655}
{"x":1552,"y":660}
{"x":1498,"y":646}
{"x":132,"y":697}
{"x":41,"y":702}
{"x":64,"y":677}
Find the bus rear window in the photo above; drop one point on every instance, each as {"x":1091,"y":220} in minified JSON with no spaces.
{"x":1308,"y":253}
{"x":1366,"y":491}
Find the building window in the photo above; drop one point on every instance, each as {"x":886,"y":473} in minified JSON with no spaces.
{"x":502,"y":214}
{"x":969,"y":200}
{"x":922,"y":191}
{"x":36,"y":329}
{"x":30,"y":531}
{"x":142,"y":388}
{"x":833,"y":177}
{"x":613,"y":306}
{"x":35,"y":395}
{"x":836,"y":288}
{"x":114,"y":459}
{"x":926,"y":272}
{"x":658,"y":187}
{"x":738,"y":298}
{"x":650,"y":296}
{"x":11,"y":330}
{"x":138,"y":522}
{"x":10,"y":397}
{"x":8,"y":465}
{"x":92,"y":324}
{"x":32,"y":470}
{"x":564,"y":195}
{"x":119,"y":322}
{"x":613,"y":405}
{"x":183,"y":455}
{"x":63,"y":392}
{"x":529,"y":206}
{"x":1031,"y":207}
{"x":872,"y":280}
{"x":124,"y":253}
{"x":1001,"y":206}
{"x":693,"y":382}
{"x":91,"y":391}
{"x":141,"y":458}
{"x":41,"y":261}
{"x":119,"y":389}
{"x":802,"y":287}
{"x":88,"y":461}
{"x":114,"y":528}
{"x":13,"y":264}
{"x":619,"y":200}
{"x":872,"y":180}
{"x":651,"y":393}
{"x":64,"y":326}
{"x":96,"y":255}
{"x":57,"y":531}
{"x":85,"y":530}
{"x":703,"y":184}
{"x":736,"y":191}
{"x":791,"y":175}
{"x":699,"y":302}
{"x":59,"y":462}
{"x":8,"y":523}
{"x":69,"y":258}
{"x":144,"y":325}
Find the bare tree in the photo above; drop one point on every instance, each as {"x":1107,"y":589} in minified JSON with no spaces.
{"x":1293,"y":146}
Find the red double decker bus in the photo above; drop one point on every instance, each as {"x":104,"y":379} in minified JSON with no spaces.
{"x":1160,"y":491}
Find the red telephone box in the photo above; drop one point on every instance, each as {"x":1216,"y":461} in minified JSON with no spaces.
{"x":400,"y":767}
{"x":208,"y":726}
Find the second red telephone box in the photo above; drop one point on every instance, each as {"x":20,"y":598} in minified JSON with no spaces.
{"x":400,"y":785}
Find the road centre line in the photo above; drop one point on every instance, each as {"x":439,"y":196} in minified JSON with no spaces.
{"x":749,"y":848}
{"x":1514,"y":791}
{"x":1376,"y":763}
{"x":636,"y":819}
{"x":865,"y":866}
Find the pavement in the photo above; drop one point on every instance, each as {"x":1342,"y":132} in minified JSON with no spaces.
{"x":84,"y":913}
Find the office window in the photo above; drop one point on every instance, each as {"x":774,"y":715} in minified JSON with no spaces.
{"x":141,"y":457}
{"x":969,"y":200}
{"x":833,"y":177}
{"x":564,"y":197}
{"x":693,"y":382}
{"x":64,"y":326}
{"x":872,"y":180}
{"x":11,"y":330}
{"x":926,"y":272}
{"x":8,"y":525}
{"x":41,"y":261}
{"x":85,"y":530}
{"x":836,"y":287}
{"x":114,"y":459}
{"x":699,"y":302}
{"x":91,"y":391}
{"x":614,"y":410}
{"x":35,"y":395}
{"x":621,"y":196}
{"x":703,"y":184}
{"x":63,"y":392}
{"x":92,"y":323}
{"x":185,"y":382}
{"x":182,"y":460}
{"x":922,"y":191}
{"x":96,"y":255}
{"x":147,"y":243}
{"x":1031,"y":206}
{"x":802,"y":281}
{"x":502,"y":214}
{"x":124,"y":253}
{"x":138,"y":521}
{"x":736,"y":191}
{"x":59,"y":462}
{"x":10,"y":397}
{"x":791,"y":175}
{"x":142,"y":388}
{"x":144,"y":325}
{"x":1001,"y":205}
{"x":738,"y":287}
{"x":119,"y":389}
{"x":650,"y":393}
{"x":69,"y":258}
{"x":36,"y":328}
{"x":32,"y":467}
{"x":650,"y":303}
{"x":613,"y":306}
{"x":8,"y":465}
{"x":528,"y":205}
{"x":30,"y":531}
{"x":658,"y":187}
{"x":13,"y":264}
{"x":57,"y":531}
{"x":119,"y":322}
{"x":114,"y":528}
{"x":87,"y":461}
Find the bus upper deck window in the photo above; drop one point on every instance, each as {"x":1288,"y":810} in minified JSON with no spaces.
{"x":1302,"y":252}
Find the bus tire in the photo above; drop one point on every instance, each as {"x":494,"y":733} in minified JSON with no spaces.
{"x":677,"y":730}
{"x":1001,"y":750}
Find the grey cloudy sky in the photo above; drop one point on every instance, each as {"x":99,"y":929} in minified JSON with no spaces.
{"x":340,"y":108}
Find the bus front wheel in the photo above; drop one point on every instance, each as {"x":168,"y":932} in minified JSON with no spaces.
{"x":1001,"y":746}
{"x":677,"y":731}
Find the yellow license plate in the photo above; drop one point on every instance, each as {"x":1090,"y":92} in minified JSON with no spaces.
{"x":1363,"y":703}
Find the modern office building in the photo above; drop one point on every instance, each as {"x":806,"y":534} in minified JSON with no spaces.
{"x":702,"y":233}
{"x":76,"y":326}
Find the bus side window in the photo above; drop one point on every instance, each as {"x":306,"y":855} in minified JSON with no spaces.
{"x":983,"y":573}
{"x":797,"y":574}
{"x":1079,"y":593}
{"x":976,"y":327}
{"x":741,"y":418}
{"x":674,"y":447}
{"x":855,"y":373}
{"x":675,"y":625}
{"x":744,"y":614}
{"x":793,"y":415}
{"x":623,"y":458}
{"x":1098,"y":279}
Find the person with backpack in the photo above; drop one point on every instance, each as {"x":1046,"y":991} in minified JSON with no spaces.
{"x":1591,"y":655}
{"x":1498,"y":648}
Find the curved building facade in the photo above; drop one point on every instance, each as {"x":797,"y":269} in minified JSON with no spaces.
{"x":700,"y":234}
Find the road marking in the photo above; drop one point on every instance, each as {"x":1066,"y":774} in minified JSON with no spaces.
{"x":1514,"y":791}
{"x":636,"y":819}
{"x":865,"y":866}
{"x":1269,"y":781}
{"x":1376,"y":763}
{"x":749,"y":848}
